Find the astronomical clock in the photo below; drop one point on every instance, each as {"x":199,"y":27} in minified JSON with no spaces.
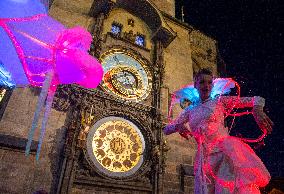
{"x":126,"y":75}
{"x":114,"y":138}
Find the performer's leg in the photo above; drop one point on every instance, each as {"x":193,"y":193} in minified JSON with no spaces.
{"x":223,"y":172}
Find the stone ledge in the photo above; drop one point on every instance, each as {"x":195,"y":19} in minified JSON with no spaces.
{"x":16,"y":143}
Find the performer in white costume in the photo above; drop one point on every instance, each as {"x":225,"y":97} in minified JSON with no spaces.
{"x":223,"y":164}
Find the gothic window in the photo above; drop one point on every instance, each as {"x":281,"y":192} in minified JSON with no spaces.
{"x":140,"y":40}
{"x":116,"y":28}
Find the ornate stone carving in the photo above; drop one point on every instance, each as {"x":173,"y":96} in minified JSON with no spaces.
{"x":87,"y":120}
{"x":130,"y":36}
{"x":61,"y":101}
{"x":157,"y":150}
{"x":158,"y":73}
{"x":97,"y":33}
{"x":130,"y":22}
{"x":72,"y":126}
{"x":89,"y":106}
{"x":97,"y":30}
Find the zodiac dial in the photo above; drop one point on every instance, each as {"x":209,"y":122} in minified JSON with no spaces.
{"x":115,"y":145}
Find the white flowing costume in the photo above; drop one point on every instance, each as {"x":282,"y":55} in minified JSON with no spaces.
{"x":223,"y":164}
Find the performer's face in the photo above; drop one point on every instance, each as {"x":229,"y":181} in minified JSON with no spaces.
{"x":204,"y":84}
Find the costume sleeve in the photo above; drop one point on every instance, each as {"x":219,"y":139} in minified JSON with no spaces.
{"x":242,"y":102}
{"x":177,"y":124}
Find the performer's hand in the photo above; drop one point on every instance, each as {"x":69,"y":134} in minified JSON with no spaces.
{"x":169,"y":129}
{"x":262,"y":119}
{"x":184,"y":131}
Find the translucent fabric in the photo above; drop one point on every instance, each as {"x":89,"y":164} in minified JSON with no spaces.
{"x":39,"y":51}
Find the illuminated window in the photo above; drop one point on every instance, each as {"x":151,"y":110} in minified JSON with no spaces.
{"x":116,"y":29}
{"x":140,"y":40}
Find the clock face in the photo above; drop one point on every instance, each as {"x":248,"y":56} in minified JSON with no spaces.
{"x":115,"y":146}
{"x":125,"y":75}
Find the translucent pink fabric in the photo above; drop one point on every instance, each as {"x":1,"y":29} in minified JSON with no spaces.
{"x":43,"y":44}
{"x":37,"y":50}
{"x":32,"y":43}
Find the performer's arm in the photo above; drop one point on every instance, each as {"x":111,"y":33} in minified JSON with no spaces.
{"x":242,"y":102}
{"x":256,"y":102}
{"x":178,"y":124}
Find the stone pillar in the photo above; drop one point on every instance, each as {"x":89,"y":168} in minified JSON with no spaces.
{"x":160,"y":146}
{"x":97,"y":33}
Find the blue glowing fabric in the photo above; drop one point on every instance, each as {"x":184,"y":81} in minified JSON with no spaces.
{"x":5,"y":77}
{"x":21,"y":8}
{"x":190,"y":93}
{"x":8,"y":54}
{"x":221,"y":86}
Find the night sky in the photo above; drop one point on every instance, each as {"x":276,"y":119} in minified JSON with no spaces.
{"x":250,"y":43}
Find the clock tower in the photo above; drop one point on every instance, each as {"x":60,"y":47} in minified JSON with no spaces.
{"x":115,"y":134}
{"x":110,"y":139}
